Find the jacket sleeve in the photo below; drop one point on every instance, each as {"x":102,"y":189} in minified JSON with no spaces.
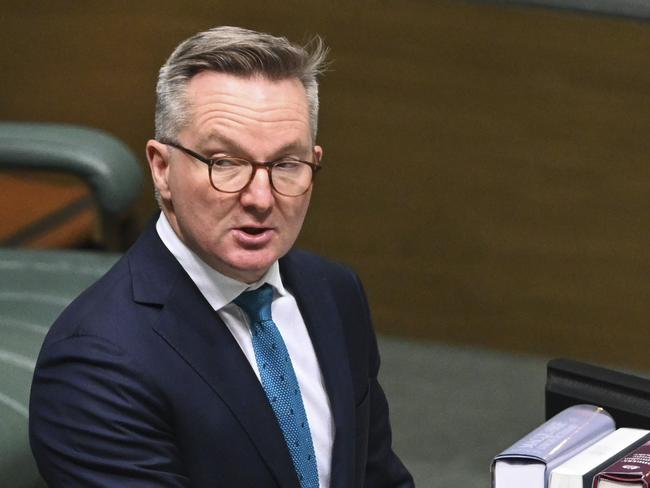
{"x":96,"y":421}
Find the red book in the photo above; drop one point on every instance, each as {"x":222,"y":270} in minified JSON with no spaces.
{"x":631,"y":471}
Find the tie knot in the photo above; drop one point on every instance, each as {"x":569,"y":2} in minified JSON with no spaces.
{"x":256,"y":303}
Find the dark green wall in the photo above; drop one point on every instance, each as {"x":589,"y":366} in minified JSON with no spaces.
{"x":486,"y":166}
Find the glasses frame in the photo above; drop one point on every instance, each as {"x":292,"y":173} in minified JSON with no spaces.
{"x":267,"y":165}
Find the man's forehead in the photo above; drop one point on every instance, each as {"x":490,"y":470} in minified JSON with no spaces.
{"x":257,"y":86}
{"x":214,"y":91}
{"x":221,"y":105}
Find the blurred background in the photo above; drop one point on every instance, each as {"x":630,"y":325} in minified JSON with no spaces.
{"x":486,"y":162}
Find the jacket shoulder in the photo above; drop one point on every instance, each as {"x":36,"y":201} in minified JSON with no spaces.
{"x":303,"y":270}
{"x":310,"y":262}
{"x":97,"y":302}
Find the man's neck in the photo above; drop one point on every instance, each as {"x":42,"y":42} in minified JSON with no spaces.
{"x":218,"y":288}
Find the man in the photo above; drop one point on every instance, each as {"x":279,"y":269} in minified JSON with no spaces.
{"x":212,"y":354}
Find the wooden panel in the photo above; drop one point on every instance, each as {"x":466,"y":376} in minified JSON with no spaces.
{"x":486,"y":166}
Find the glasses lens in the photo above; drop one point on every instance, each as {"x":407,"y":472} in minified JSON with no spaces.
{"x":230,"y":175}
{"x":291,"y":178}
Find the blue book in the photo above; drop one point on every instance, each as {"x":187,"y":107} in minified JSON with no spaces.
{"x":529,"y":461}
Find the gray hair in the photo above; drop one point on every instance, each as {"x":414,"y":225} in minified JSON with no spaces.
{"x":239,"y":52}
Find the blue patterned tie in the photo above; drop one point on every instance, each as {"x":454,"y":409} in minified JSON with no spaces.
{"x":280,"y":383}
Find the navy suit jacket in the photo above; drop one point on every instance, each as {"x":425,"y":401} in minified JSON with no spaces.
{"x":139,"y":383}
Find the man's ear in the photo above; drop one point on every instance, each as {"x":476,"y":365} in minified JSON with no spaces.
{"x":158,"y":157}
{"x":318,"y":154}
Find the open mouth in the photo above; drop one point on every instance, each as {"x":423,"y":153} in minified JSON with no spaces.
{"x":253,"y":236}
{"x":254,"y":230}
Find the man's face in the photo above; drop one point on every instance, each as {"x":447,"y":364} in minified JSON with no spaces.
{"x":239,"y":234}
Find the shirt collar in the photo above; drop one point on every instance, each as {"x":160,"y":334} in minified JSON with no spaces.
{"x":218,"y":289}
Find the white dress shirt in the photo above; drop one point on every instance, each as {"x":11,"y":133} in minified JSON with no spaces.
{"x":220,"y":290}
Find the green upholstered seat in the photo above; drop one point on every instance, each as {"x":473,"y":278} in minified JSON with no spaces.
{"x":103,"y":162}
{"x":35,"y":286}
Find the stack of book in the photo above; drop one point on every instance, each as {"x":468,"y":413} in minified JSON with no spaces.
{"x":580,"y":446}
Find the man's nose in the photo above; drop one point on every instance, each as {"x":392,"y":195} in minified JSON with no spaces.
{"x":259,"y":193}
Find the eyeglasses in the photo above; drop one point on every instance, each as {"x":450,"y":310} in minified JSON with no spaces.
{"x":289,"y":177}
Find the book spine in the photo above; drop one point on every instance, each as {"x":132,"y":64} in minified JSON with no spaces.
{"x":568,"y":432}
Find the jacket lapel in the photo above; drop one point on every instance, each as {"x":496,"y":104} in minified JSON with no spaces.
{"x":320,"y":313}
{"x":190,"y":326}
